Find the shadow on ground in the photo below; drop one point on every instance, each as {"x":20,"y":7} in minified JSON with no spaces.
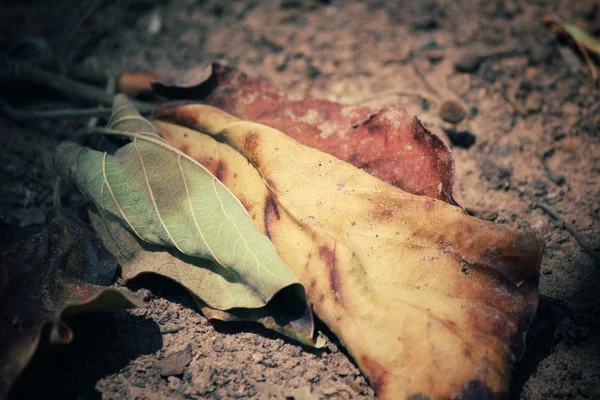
{"x":103,"y":344}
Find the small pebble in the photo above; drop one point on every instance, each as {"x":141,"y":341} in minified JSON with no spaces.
{"x":470,"y":62}
{"x":452,"y":111}
{"x":171,"y":329}
{"x":175,"y":363}
{"x":174,"y":382}
{"x":154,"y":22}
{"x":257,"y":357}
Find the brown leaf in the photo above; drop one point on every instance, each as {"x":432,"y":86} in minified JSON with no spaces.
{"x":429,"y":301}
{"x":60,"y":271}
{"x":136,"y":83}
{"x":386,"y":143}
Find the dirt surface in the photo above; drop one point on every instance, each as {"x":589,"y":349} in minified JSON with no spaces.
{"x":531,"y":109}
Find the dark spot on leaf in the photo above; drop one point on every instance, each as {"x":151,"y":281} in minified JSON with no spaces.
{"x":270,"y":184}
{"x":450,"y":325}
{"x":271,"y":212}
{"x":377,"y":374}
{"x":209,"y":164}
{"x":467,"y":351}
{"x":385,"y":208}
{"x":220,"y":171}
{"x":246,"y":204}
{"x":250,"y":142}
{"x":417,"y":396}
{"x":478,"y":390}
{"x":328,"y":255}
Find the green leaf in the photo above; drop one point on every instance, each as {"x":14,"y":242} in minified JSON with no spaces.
{"x":165,"y":213}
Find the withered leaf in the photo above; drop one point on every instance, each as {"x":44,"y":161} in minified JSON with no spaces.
{"x":60,"y":271}
{"x":159,"y":211}
{"x":136,"y":83}
{"x":386,"y":143}
{"x":428,"y":300}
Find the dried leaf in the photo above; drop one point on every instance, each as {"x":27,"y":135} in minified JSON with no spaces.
{"x":579,"y":35}
{"x":386,"y":143}
{"x":428,"y":300}
{"x":136,"y":83}
{"x":165,"y":213}
{"x":60,"y":271}
{"x":584,"y":41}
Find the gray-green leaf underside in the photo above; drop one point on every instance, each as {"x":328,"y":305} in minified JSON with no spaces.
{"x":154,"y":199}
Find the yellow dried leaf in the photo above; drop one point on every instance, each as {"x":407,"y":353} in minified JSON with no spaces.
{"x":428,"y":300}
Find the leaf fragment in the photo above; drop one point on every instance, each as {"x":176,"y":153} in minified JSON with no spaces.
{"x":584,"y":41}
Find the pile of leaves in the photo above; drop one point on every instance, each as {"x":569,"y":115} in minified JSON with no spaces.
{"x":269,"y":209}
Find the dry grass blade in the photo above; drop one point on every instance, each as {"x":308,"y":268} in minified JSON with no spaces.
{"x":585,"y":42}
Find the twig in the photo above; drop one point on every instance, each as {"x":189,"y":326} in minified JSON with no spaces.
{"x":12,"y":70}
{"x":422,"y":95}
{"x":18,"y":113}
{"x":424,"y":80}
{"x":584,"y":41}
{"x":590,"y":64}
{"x":571,"y":229}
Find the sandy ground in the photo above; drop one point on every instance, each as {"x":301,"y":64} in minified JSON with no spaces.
{"x":533,"y":111}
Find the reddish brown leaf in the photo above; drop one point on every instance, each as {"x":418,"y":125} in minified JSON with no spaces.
{"x":386,"y":143}
{"x":136,"y":83}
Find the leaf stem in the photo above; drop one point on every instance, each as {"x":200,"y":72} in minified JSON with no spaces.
{"x":378,"y":96}
{"x":13,"y":70}
{"x":22,"y":114}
